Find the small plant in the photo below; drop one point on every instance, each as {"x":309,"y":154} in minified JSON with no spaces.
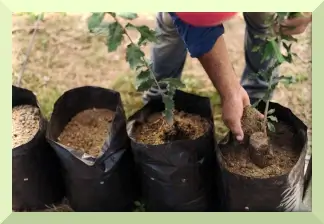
{"x":271,"y":118}
{"x":272,"y":48}
{"x":145,"y":78}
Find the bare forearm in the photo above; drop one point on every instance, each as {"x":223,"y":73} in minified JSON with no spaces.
{"x":219,"y":69}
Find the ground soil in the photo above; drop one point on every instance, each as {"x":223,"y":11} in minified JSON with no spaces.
{"x":237,"y":158}
{"x":157,"y":131}
{"x":255,"y":136}
{"x":87,"y":131}
{"x":251,"y":121}
{"x":25,"y":124}
{"x":260,"y":150}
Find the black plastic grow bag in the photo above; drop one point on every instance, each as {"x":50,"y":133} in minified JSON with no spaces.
{"x":106,"y":183}
{"x":36,"y":177}
{"x":178,"y":176}
{"x":280,"y":193}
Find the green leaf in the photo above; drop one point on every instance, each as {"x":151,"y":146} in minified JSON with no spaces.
{"x":175,"y":83}
{"x":137,"y":203}
{"x":286,"y":46}
{"x":271,"y":111}
{"x":288,"y":58}
{"x":273,"y":118}
{"x":268,"y":52}
{"x":95,"y":20}
{"x":271,"y":127}
{"x":139,"y":67}
{"x":147,"y":34}
{"x":277,"y":51}
{"x":115,"y":36}
{"x":289,"y":38}
{"x":261,"y":37}
{"x":144,"y":81}
{"x":294,"y":14}
{"x":134,"y":56}
{"x":287,"y":80}
{"x":128,"y":15}
{"x":169,"y":106}
{"x":256,"y":48}
{"x":282,"y":14}
{"x":301,"y":77}
{"x":171,"y":90}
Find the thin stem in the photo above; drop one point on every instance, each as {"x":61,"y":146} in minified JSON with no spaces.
{"x":143,"y":59}
{"x":145,"y":63}
{"x":30,"y":45}
{"x":276,"y":21}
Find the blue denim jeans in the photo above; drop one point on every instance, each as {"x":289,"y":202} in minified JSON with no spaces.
{"x":169,"y":54}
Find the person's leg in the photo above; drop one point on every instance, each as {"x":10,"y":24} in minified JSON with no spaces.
{"x":168,"y":54}
{"x":256,"y":87}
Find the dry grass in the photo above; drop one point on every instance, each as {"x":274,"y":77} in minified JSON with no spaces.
{"x":65,"y":56}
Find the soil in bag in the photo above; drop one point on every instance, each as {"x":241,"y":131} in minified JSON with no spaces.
{"x":88,"y":132}
{"x":36,"y":179}
{"x":176,"y":163}
{"x":260,"y":180}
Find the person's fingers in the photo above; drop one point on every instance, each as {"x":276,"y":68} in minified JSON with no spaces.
{"x":261,"y":115}
{"x":276,"y":28}
{"x":297,"y":30}
{"x":295,"y":25}
{"x":294,"y":22}
{"x":245,"y":98}
{"x":246,"y":101}
{"x":238,"y":132}
{"x":235,"y":126}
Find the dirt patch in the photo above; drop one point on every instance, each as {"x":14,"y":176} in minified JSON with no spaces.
{"x":88,"y":130}
{"x":157,"y":131}
{"x":25,"y":124}
{"x":251,"y":121}
{"x":259,"y":149}
{"x":237,"y":157}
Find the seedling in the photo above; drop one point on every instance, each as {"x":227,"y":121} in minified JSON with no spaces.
{"x":145,"y":78}
{"x":272,"y":48}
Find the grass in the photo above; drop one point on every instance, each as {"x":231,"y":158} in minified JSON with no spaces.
{"x":46,"y":96}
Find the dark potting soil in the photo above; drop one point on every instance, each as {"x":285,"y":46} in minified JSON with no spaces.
{"x":237,"y":158}
{"x":87,"y":131}
{"x":251,"y":121}
{"x":157,"y":131}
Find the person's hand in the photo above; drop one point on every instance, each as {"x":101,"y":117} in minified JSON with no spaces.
{"x":232,"y":111}
{"x":296,"y":25}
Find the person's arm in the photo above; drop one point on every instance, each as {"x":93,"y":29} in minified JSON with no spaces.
{"x":217,"y":65}
{"x":208,"y":45}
